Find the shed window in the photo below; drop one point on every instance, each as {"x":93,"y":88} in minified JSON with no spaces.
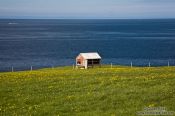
{"x":78,"y":62}
{"x":93,"y":61}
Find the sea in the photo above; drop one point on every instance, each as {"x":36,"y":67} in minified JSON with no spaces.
{"x":43,"y":43}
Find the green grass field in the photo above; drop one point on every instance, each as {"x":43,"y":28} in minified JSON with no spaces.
{"x":120,"y":91}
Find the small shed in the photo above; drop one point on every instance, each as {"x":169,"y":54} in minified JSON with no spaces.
{"x":86,"y":60}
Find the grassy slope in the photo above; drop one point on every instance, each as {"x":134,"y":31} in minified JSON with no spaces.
{"x":99,"y":91}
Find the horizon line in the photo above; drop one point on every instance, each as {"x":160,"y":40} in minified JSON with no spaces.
{"x":83,"y":18}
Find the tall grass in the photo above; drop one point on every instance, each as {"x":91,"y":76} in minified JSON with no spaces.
{"x":120,"y":91}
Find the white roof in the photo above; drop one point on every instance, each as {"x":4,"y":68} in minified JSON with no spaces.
{"x":93,"y":55}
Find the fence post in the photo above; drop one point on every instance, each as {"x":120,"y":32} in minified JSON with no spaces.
{"x":12,"y":69}
{"x":131,"y":64}
{"x":149,"y":64}
{"x":111,"y":65}
{"x":168,"y":64}
{"x":31,"y":68}
{"x":73,"y":66}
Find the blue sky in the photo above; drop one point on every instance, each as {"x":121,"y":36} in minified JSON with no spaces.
{"x":110,"y":9}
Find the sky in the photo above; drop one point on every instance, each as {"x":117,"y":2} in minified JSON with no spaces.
{"x":87,"y":9}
